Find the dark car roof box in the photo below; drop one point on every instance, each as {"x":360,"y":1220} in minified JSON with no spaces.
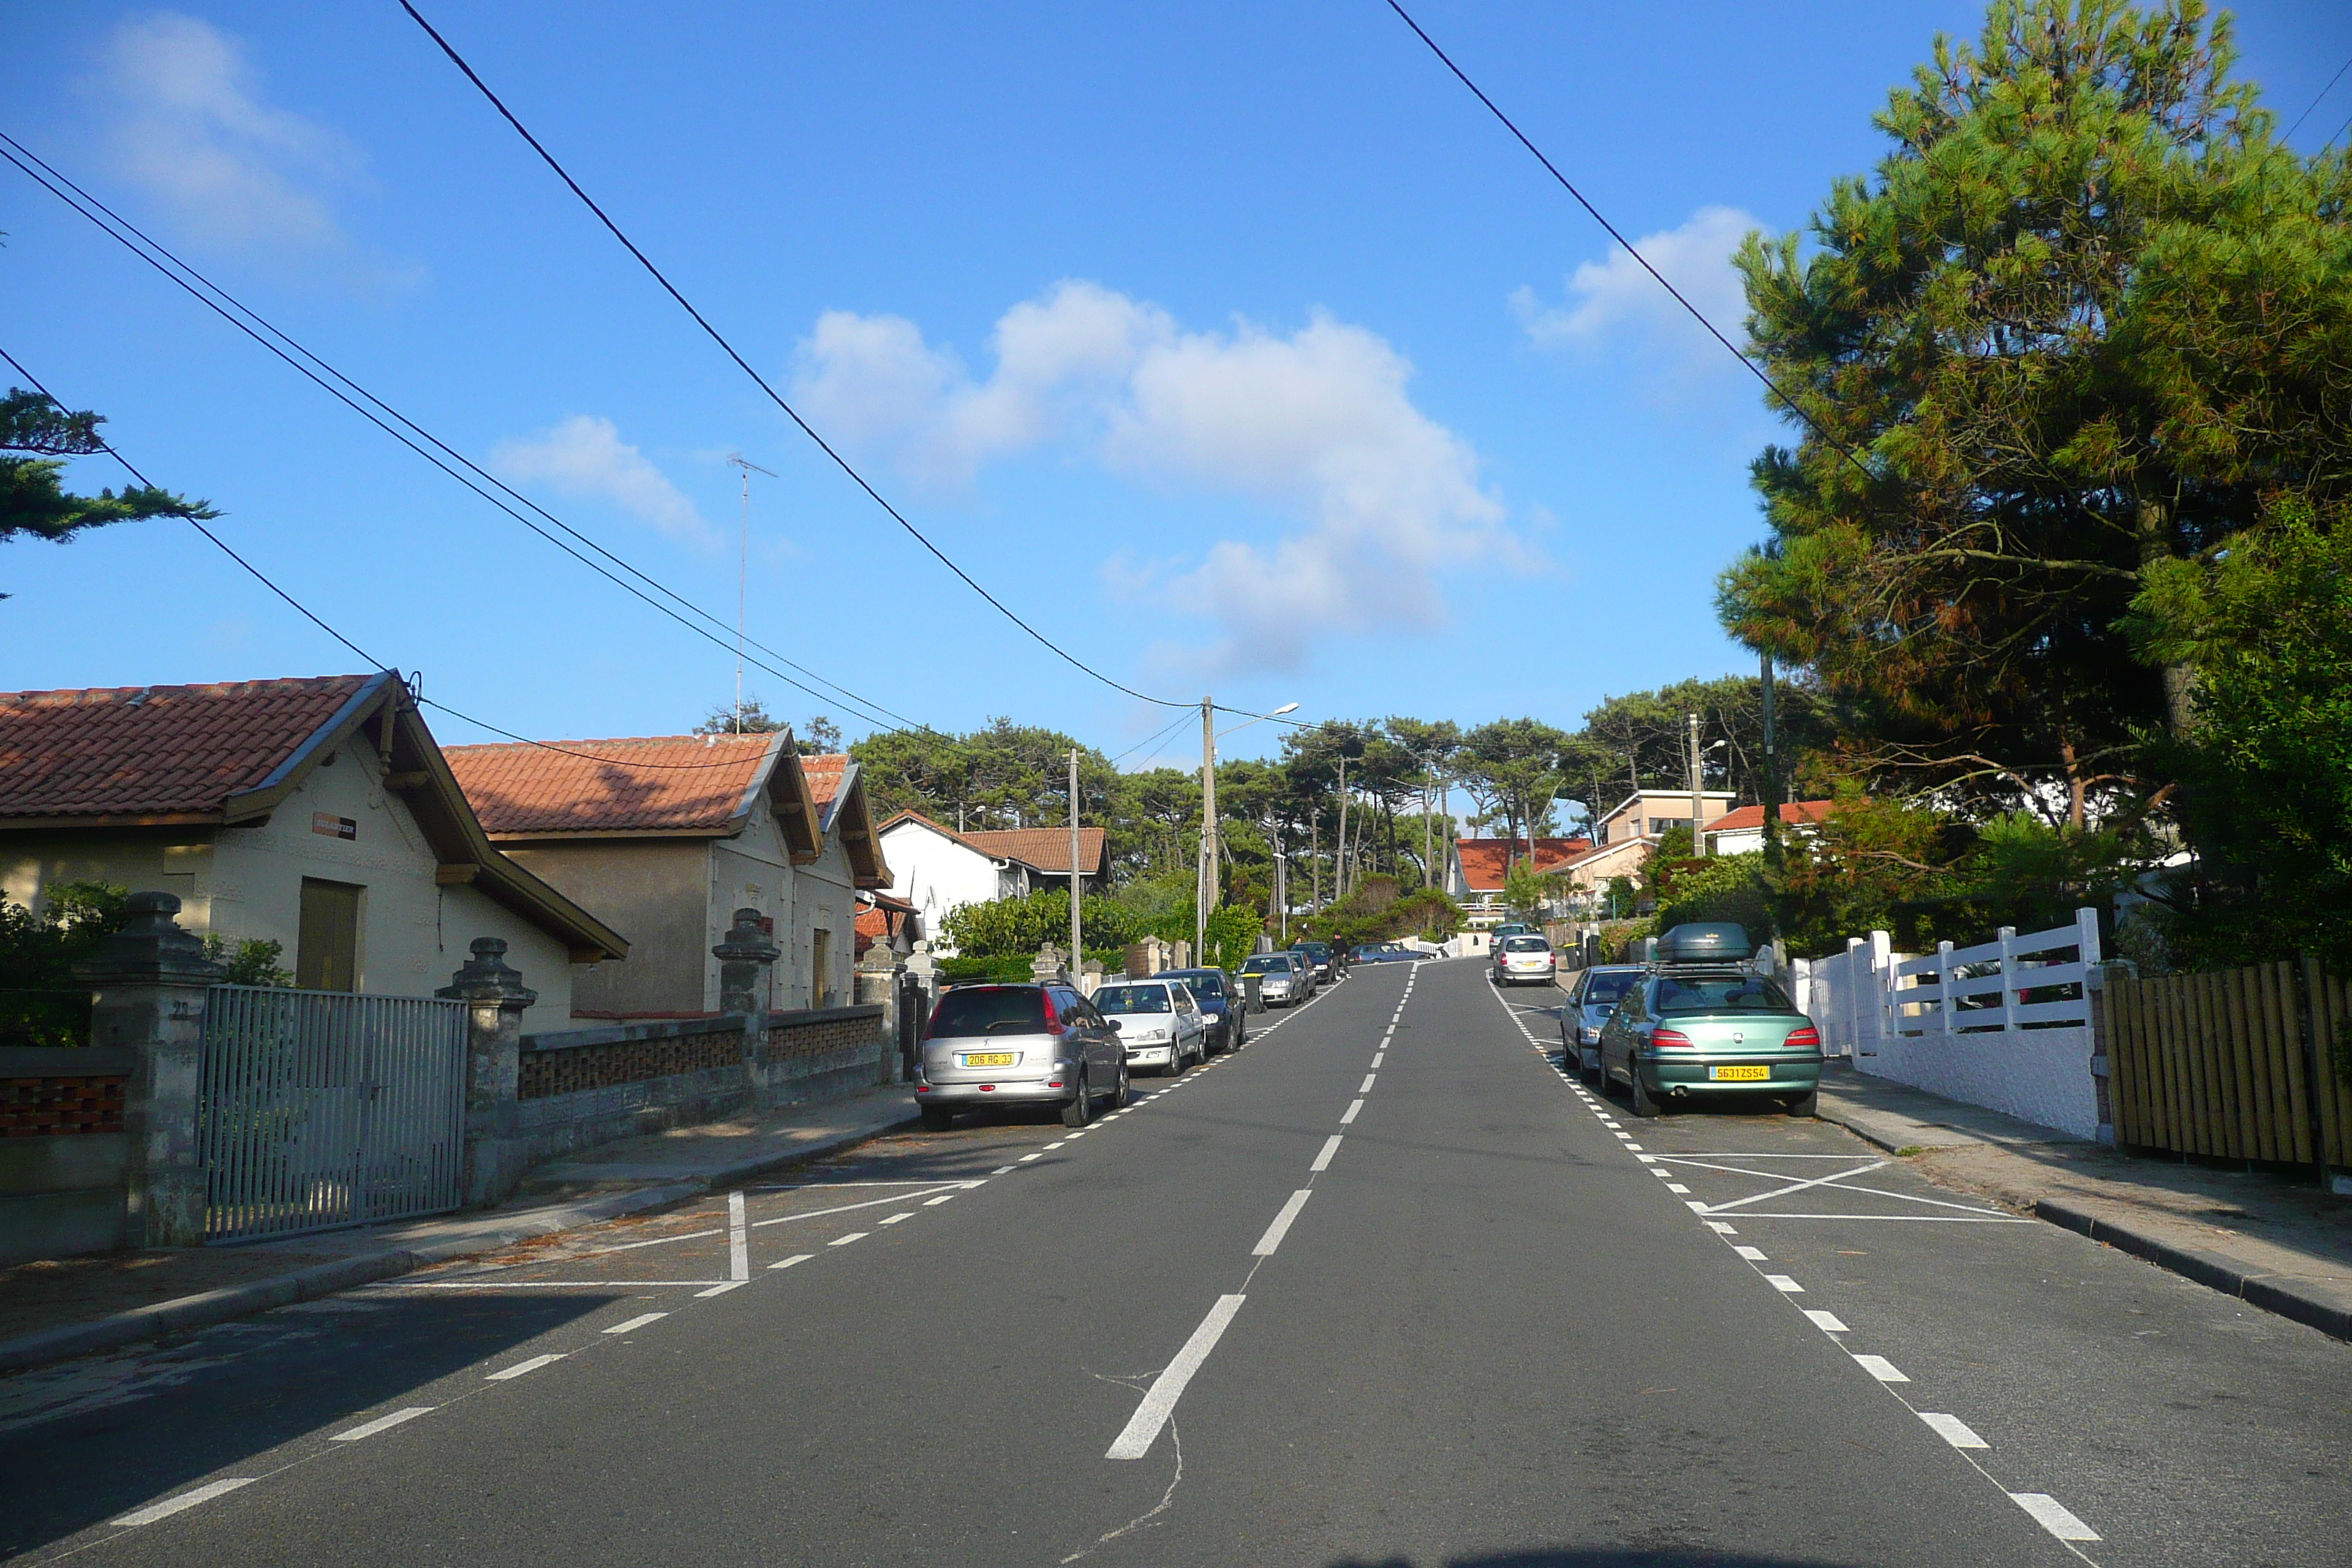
{"x":1709,"y":941}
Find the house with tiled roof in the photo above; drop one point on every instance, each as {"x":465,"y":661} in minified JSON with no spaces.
{"x":668,"y":835}
{"x":1627,"y":835}
{"x":940,"y":868}
{"x":317,"y":813}
{"x":1476,"y":869}
{"x":1741,"y":832}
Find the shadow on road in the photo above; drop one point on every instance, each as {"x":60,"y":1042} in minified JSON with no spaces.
{"x":1600,"y":1557}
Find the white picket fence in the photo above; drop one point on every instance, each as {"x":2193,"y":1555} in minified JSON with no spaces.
{"x":2005,"y":1024}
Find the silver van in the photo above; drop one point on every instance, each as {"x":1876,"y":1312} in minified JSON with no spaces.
{"x":1025,"y":1045}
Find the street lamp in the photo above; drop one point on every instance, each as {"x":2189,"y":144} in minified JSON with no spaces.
{"x":1204,"y":885}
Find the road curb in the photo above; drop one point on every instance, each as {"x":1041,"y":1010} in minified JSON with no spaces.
{"x":183,"y":1314}
{"x":2265,"y":1291}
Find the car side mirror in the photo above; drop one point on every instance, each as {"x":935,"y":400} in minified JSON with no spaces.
{"x":1111,"y":1024}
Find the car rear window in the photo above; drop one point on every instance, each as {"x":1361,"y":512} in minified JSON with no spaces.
{"x":1727,"y":993}
{"x":1204,"y":984}
{"x":991,"y":1010}
{"x":1526,"y":944}
{"x":1602,"y":989}
{"x":1132,"y":999}
{"x":1263,"y":964}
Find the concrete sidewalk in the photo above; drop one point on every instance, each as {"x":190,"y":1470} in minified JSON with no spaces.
{"x":2276,"y":1241}
{"x":51,"y":1310}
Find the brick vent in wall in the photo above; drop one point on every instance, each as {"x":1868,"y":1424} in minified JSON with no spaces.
{"x":624,"y":1061}
{"x":786,"y":1041}
{"x":61,"y":1107}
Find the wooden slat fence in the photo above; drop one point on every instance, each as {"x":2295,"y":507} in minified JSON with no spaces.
{"x":2245,"y":1064}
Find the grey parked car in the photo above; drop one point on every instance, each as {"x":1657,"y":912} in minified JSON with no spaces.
{"x":1028,"y":1045}
{"x":1591,"y":997}
{"x":1280,"y":980}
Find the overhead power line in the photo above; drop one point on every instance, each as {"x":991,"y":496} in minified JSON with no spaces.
{"x":442,"y":455}
{"x":2314,"y":103}
{"x":319,"y":621}
{"x":1552,"y":169}
{"x":761,"y":381}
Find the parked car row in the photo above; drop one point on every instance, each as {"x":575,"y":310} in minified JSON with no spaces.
{"x":1697,"y":1020}
{"x":1284,"y":979}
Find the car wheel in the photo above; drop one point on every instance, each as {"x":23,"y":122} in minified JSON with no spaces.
{"x":937,"y":1118}
{"x":1124,"y":1095}
{"x":1175,"y":1068}
{"x":1806,"y":1104}
{"x":1081,"y":1109}
{"x":1643,"y":1106}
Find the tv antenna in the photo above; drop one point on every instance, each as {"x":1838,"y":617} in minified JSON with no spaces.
{"x":743,"y":575}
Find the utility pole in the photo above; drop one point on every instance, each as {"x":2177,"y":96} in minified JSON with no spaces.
{"x":1078,"y":882}
{"x":1339,"y":855}
{"x":743,"y":578}
{"x":1315,"y":861}
{"x":1697,"y":789}
{"x":1771,"y":791}
{"x":1282,"y":885}
{"x":1205,"y":893}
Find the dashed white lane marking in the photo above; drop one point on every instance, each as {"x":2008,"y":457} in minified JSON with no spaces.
{"x":796,"y":1258}
{"x":721,"y":1289}
{"x":1135,"y":1440}
{"x":1879,"y":1367}
{"x":1376,"y":1057}
{"x":386,"y":1423}
{"x":1349,"y":1114}
{"x":868,"y":1203}
{"x":2052,"y":1515}
{"x":1002,"y":1171}
{"x":739,"y":1247}
{"x":639,"y":1321}
{"x":1676,"y":1187}
{"x":1826,"y":1321}
{"x":1366,"y":1086}
{"x":1056,"y":1143}
{"x":1783,"y":1284}
{"x":1026,"y":1158}
{"x":1323,"y":1161}
{"x":845,"y":1240}
{"x":1952,"y":1430}
{"x":172,"y":1505}
{"x":1272,"y":1239}
{"x":521,"y":1367}
{"x":1720,"y":1228}
{"x":895,"y":1218}
{"x":1633,"y":1148}
{"x":934,"y":1203}
{"x":1753,"y":1253}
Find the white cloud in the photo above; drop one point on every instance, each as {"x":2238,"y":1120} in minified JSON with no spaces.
{"x":584,"y":455}
{"x":190,"y":127}
{"x":1613,"y":303}
{"x":1317,"y":422}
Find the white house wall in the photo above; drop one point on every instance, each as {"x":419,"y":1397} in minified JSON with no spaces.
{"x":937,"y":874}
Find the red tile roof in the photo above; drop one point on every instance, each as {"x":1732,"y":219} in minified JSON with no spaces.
{"x":650,"y":784}
{"x":1484,"y":861}
{"x":1046,"y":848}
{"x":824,"y":775}
{"x":1752,"y":816}
{"x":157,"y":750}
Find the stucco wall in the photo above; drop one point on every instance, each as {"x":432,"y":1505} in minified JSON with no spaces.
{"x":653,"y":893}
{"x":2042,"y":1075}
{"x":937,"y":875}
{"x":246,"y":883}
{"x":823,"y":894}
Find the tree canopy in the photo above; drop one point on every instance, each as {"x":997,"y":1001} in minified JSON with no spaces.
{"x":34,"y":499}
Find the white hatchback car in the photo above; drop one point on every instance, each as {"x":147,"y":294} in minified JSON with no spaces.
{"x":1160,"y":1023}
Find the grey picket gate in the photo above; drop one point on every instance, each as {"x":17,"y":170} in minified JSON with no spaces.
{"x":322,"y":1110}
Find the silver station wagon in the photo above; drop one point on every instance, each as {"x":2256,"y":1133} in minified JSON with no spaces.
{"x":1015,"y":1044}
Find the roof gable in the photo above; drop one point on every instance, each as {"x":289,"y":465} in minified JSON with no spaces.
{"x":1486,"y":861}
{"x":1046,"y":850}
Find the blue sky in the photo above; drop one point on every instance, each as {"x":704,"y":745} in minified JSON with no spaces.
{"x":1230,"y":343}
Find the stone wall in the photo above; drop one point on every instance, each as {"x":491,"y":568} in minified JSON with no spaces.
{"x":63,"y":1148}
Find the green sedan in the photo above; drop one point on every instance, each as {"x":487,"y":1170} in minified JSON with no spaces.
{"x":1691,"y":1030}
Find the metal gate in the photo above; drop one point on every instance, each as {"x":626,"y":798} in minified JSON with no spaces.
{"x":321,"y":1109}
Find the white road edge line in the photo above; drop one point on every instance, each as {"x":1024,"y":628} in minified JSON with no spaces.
{"x":1366,"y":1086}
{"x":1879,"y":1367}
{"x":1783,"y":1284}
{"x":2052,"y":1515}
{"x":1828,"y":1322}
{"x":533,"y":1364}
{"x":639,"y":1321}
{"x":1349,"y":1114}
{"x":1136,"y":1439}
{"x":1953,"y":1430}
{"x":721,"y":1288}
{"x":386,"y":1423}
{"x":845,"y":1240}
{"x":1323,"y":1161}
{"x":172,"y":1505}
{"x":1272,"y":1239}
{"x":738,"y":1246}
{"x":796,"y":1258}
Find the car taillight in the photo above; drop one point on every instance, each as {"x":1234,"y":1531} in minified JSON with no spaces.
{"x":1054,"y":1025}
{"x":1673,"y":1039}
{"x":1807,"y":1038}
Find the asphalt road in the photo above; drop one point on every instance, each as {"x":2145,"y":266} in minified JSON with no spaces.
{"x":1382,"y":1289}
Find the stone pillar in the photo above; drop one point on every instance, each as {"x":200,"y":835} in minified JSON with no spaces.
{"x":147,"y":994}
{"x":743,"y":961}
{"x":495,"y":998}
{"x":1090,"y":977}
{"x":1183,"y":955}
{"x":1047,"y":968}
{"x":878,"y":981}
